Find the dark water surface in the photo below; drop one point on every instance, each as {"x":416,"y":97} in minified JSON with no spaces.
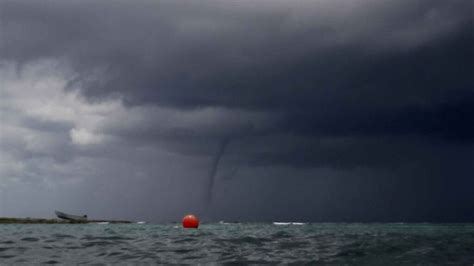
{"x":374,"y":244}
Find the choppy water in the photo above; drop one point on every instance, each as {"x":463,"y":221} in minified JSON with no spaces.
{"x":376,"y":244}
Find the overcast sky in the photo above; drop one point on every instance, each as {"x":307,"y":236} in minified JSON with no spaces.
{"x":324,"y":110}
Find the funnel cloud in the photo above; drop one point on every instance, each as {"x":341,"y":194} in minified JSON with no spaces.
{"x":215,"y":166}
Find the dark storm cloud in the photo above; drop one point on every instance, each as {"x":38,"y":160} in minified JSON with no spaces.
{"x":315,"y":58}
{"x":381,"y":85}
{"x":264,"y":55}
{"x":449,"y":121}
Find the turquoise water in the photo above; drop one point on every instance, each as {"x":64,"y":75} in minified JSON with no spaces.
{"x":375,"y":244}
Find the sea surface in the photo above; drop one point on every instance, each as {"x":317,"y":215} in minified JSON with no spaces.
{"x":246,"y":243}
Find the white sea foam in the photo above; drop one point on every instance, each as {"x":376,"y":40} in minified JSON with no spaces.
{"x":281,"y":223}
{"x":288,"y":223}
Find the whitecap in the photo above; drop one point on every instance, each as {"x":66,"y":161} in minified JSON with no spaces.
{"x":281,"y":223}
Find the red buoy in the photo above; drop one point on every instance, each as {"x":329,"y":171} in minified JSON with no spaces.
{"x":190,"y":221}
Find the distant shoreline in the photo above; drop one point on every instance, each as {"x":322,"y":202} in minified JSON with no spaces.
{"x":8,"y":220}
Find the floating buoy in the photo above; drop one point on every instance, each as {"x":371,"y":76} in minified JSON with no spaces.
{"x":190,"y":221}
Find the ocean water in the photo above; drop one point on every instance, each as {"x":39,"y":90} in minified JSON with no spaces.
{"x":246,"y":243}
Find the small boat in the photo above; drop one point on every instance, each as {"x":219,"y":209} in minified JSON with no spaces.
{"x":70,"y":217}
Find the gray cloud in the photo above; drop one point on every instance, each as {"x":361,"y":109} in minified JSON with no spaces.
{"x":212,"y":53}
